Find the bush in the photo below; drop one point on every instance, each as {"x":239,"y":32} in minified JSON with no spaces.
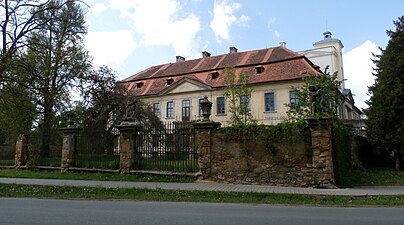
{"x":342,"y":141}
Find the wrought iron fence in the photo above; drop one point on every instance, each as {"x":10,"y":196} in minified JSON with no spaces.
{"x":7,"y":154}
{"x":52,"y":157}
{"x":97,"y":152}
{"x":166,"y":147}
{"x":92,"y":152}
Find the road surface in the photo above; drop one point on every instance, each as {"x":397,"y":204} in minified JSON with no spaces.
{"x":23,"y":211}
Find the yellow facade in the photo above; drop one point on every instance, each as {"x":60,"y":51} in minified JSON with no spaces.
{"x":193,"y":93}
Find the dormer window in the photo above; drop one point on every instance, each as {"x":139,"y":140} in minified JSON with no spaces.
{"x":170,"y":81}
{"x":259,"y":69}
{"x":139,"y":85}
{"x":214,"y":75}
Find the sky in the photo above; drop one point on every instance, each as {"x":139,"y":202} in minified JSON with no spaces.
{"x":132,"y":35}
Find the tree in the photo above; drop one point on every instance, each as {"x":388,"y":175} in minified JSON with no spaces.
{"x":328,"y":85}
{"x":19,"y":18}
{"x":55,"y":61}
{"x":104,"y":106}
{"x":16,"y":111}
{"x":238,"y":94}
{"x":385,"y":124}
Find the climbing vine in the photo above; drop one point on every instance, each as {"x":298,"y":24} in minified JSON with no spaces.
{"x":268,"y":134}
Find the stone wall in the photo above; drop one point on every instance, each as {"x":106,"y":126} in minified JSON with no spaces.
{"x":301,"y":159}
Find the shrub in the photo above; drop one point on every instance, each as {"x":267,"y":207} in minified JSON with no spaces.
{"x":342,"y":140}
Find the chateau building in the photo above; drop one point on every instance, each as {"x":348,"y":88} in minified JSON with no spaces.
{"x":174,"y":90}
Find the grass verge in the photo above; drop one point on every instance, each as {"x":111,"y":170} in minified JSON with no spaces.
{"x":98,"y":193}
{"x":14,"y":173}
{"x":377,"y":176}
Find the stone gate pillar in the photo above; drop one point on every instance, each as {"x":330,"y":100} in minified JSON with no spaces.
{"x":127,"y":140}
{"x":69,"y":144}
{"x":21,"y":150}
{"x":321,"y":144}
{"x":203,"y":138}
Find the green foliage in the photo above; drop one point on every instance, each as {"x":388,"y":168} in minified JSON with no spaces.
{"x":380,"y":176}
{"x":238,"y":95}
{"x":17,"y":112}
{"x":269,"y":135}
{"x":329,"y":86}
{"x":385,"y":124}
{"x":103,"y":107}
{"x":261,"y":130}
{"x":342,"y":140}
{"x":55,"y":62}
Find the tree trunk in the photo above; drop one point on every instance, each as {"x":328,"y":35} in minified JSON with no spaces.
{"x":46,"y":133}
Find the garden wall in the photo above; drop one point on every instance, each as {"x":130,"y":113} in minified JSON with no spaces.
{"x":292,"y":157}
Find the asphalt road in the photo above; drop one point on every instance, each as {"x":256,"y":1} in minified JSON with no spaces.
{"x":20,"y":211}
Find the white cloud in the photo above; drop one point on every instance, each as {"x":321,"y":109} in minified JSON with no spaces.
{"x":224,"y":18}
{"x":110,"y":48}
{"x":244,"y":20}
{"x":157,"y":22}
{"x":98,"y":8}
{"x":358,"y":68}
{"x":276,"y":34}
{"x":270,"y":24}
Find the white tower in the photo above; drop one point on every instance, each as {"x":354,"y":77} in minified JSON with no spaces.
{"x":328,"y":52}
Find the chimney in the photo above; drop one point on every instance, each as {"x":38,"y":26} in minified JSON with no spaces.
{"x":205,"y":54}
{"x":327,"y":35}
{"x":233,"y":49}
{"x":283,"y":44}
{"x":180,"y":58}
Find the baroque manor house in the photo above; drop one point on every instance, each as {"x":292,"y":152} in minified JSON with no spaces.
{"x":174,"y":90}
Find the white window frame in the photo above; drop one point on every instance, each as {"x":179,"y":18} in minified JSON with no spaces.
{"x":217,"y":108}
{"x":265,"y":101}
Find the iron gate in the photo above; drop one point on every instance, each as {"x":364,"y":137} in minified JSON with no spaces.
{"x":166,"y":147}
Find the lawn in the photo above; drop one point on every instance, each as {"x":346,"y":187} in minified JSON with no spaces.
{"x":65,"y":192}
{"x":44,"y":174}
{"x":378,"y":176}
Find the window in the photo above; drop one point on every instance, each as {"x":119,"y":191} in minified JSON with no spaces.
{"x":220,"y":106}
{"x":185,"y":110}
{"x":139,"y":85}
{"x":170,"y":109}
{"x":244,"y":104}
{"x":259,"y":69}
{"x":214,"y":75}
{"x":170,"y":81}
{"x":294,"y":100}
{"x":156,"y":109}
{"x":270,"y":102}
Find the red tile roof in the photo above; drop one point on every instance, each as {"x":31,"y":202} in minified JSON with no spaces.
{"x":279,"y":63}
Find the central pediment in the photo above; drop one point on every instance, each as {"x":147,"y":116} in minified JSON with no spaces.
{"x":186,"y":85}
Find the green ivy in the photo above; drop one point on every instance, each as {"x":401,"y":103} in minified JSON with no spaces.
{"x":342,"y":139}
{"x":262,"y":131}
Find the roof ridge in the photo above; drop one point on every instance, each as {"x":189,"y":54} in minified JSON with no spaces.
{"x":236,"y":59}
